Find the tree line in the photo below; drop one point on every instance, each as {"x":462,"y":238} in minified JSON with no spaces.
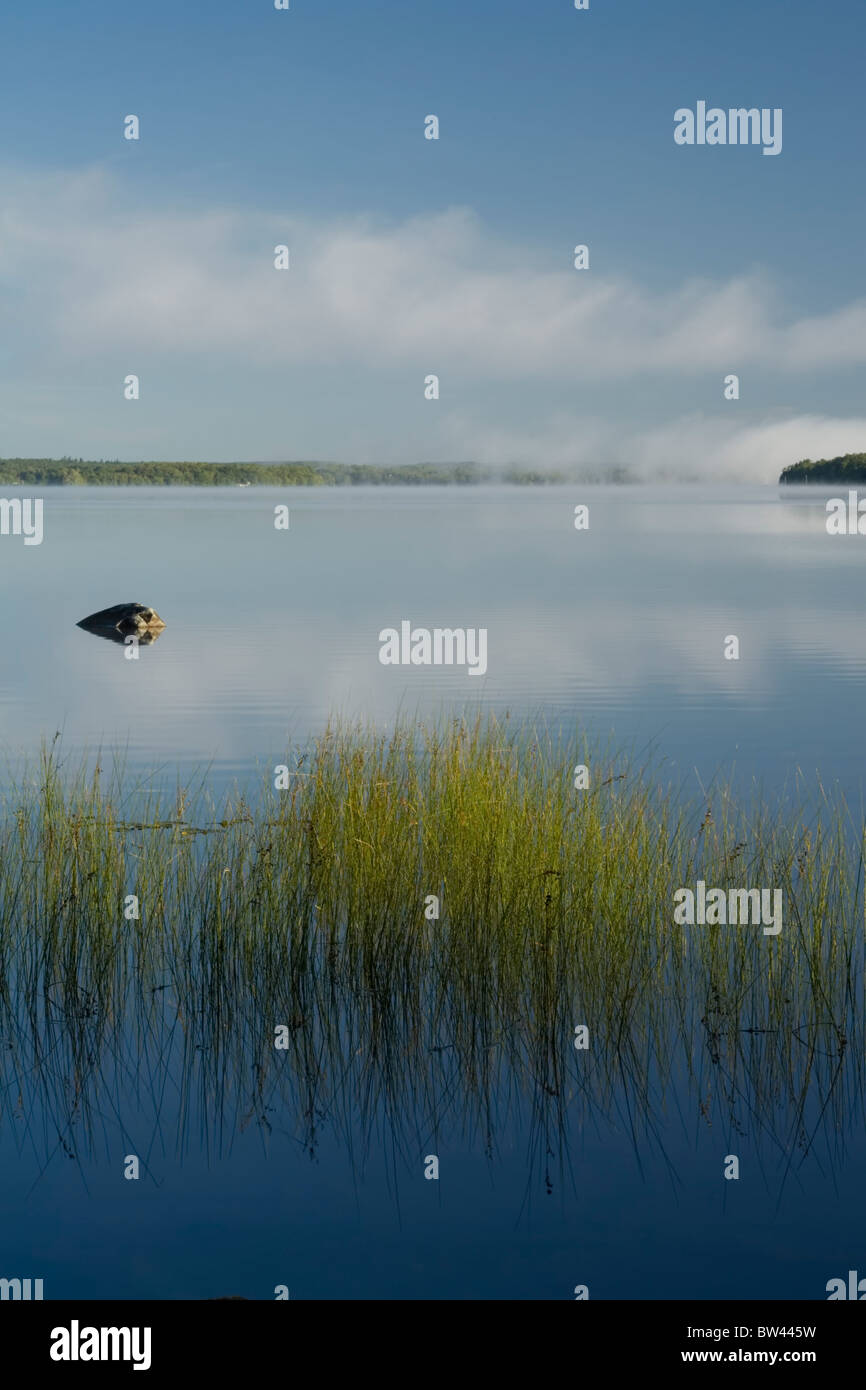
{"x":107,"y":473}
{"x":847,"y":468}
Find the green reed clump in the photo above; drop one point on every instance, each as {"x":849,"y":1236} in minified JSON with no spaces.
{"x":306,"y":907}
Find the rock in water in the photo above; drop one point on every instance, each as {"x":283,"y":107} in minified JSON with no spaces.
{"x":125,"y":619}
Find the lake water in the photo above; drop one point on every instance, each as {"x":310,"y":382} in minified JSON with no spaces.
{"x":619,"y":629}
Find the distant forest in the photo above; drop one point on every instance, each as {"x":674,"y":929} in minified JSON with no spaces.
{"x":78,"y":472}
{"x":848,"y":468}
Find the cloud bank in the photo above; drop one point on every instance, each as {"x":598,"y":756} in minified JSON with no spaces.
{"x":84,"y":272}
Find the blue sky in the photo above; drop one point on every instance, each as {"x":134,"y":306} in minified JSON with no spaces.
{"x":556,"y":128}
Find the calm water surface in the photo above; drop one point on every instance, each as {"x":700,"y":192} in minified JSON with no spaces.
{"x":619,"y":629}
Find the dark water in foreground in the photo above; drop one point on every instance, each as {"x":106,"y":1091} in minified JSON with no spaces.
{"x":325,"y":1193}
{"x":243,"y":1187}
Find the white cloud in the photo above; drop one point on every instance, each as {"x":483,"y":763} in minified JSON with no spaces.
{"x":85,"y":271}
